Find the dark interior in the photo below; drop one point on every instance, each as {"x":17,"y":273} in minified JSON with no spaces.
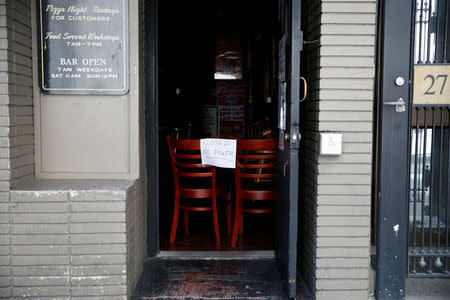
{"x":190,"y":33}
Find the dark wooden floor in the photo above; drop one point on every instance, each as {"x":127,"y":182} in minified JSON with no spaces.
{"x":258,"y":235}
{"x":209,"y":279}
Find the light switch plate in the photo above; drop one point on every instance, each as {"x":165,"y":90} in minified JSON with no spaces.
{"x":330,"y":143}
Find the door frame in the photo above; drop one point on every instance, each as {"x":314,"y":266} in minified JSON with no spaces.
{"x":286,"y":247}
{"x":393,"y":61}
{"x":152,"y":126}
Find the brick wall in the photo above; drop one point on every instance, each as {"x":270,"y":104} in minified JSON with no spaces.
{"x":75,"y":240}
{"x":136,"y":215}
{"x":20,"y":89}
{"x":69,"y":239}
{"x":16,"y":118}
{"x":310,"y":68}
{"x":5,"y":171}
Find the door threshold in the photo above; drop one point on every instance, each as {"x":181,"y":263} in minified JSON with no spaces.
{"x":209,"y":279}
{"x":217,"y":255}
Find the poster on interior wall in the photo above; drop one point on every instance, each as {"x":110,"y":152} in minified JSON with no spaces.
{"x":83,"y":46}
{"x":228,"y":59}
{"x":231,"y":98}
{"x":209,"y":121}
{"x":282,"y":59}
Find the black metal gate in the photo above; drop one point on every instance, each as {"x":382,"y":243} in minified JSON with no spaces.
{"x":429,"y":180}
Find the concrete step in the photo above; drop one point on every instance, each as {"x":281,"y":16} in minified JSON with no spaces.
{"x":209,"y":279}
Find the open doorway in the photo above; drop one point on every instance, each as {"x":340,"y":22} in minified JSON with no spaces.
{"x":195,"y":52}
{"x":217,"y":78}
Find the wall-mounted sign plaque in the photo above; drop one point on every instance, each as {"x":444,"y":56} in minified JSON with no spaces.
{"x":431,"y":84}
{"x":83,"y":46}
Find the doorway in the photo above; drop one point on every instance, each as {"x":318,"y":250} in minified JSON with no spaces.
{"x":195,"y":52}
{"x":209,"y":51}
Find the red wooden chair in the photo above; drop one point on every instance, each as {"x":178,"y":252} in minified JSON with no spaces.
{"x":258,"y":130}
{"x":194,"y":183}
{"x":254,"y":180}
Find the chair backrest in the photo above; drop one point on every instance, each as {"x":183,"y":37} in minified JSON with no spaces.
{"x":186,"y":159}
{"x":255,"y":162}
{"x":258,"y":130}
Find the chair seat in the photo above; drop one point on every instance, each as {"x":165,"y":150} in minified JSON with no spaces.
{"x":258,"y":195}
{"x":195,"y":193}
{"x":257,"y":211}
{"x":193,"y":208}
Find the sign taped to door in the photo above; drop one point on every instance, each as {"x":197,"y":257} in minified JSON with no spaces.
{"x":218,"y":152}
{"x":282,"y":106}
{"x":282,"y":59}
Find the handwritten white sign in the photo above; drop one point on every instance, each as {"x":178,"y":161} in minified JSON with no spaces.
{"x":218,"y":152}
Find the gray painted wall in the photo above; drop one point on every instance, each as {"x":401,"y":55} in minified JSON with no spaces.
{"x":94,"y":137}
{"x":347,"y":60}
{"x":16,"y":118}
{"x":16,"y":94}
{"x":337,"y":190}
{"x":75,"y":239}
{"x":59,"y":239}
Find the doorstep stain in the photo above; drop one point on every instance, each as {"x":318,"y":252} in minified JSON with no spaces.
{"x":209,"y":279}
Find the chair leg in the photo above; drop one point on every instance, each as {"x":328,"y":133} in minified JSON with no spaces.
{"x":176,"y":210}
{"x":216,"y":222}
{"x":237,"y":223}
{"x":241,"y":226}
{"x":186,"y":222}
{"x":228,"y":203}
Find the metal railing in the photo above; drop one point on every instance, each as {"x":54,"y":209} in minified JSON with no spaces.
{"x":429,"y":192}
{"x":429,"y":197}
{"x":431,"y":31}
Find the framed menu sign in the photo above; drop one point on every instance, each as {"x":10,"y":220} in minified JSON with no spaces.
{"x":83,"y":46}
